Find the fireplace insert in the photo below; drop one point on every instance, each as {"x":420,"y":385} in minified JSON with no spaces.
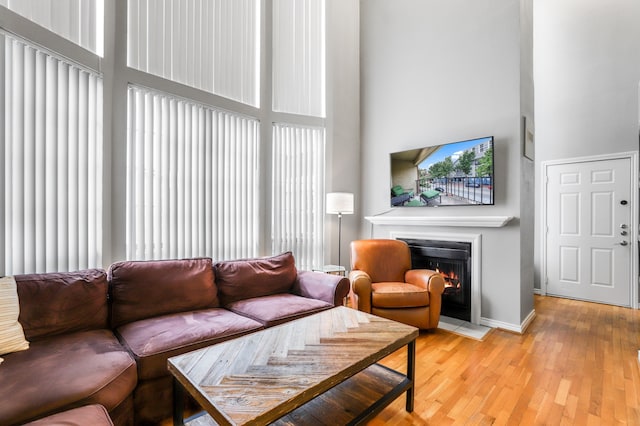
{"x":452,"y":259}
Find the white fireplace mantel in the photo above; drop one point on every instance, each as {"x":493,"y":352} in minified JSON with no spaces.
{"x":468,"y":221}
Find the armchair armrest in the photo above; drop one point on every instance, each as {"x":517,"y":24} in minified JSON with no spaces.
{"x":317,"y":285}
{"x":427,"y":279}
{"x":360,"y":290}
{"x":434,"y":283}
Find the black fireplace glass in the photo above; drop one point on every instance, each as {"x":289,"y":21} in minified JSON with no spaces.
{"x":452,"y":259}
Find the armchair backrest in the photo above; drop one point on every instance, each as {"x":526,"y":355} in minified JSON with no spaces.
{"x":383,"y":260}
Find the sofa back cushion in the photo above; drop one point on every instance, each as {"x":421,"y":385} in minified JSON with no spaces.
{"x":145,"y":289}
{"x":62,"y":302}
{"x":248,"y":278}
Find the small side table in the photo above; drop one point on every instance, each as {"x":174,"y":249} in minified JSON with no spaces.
{"x":332,"y":269}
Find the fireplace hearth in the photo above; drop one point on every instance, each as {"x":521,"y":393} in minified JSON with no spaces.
{"x":452,"y":259}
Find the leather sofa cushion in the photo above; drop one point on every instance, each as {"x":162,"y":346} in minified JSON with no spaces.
{"x":64,"y":372}
{"x":94,"y":415}
{"x":57,"y":303}
{"x":278,"y":308}
{"x":249,"y":278}
{"x":153,"y":340}
{"x":398,"y":295}
{"x":144,"y":289}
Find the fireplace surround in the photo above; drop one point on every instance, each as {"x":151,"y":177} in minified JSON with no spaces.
{"x":471,"y":245}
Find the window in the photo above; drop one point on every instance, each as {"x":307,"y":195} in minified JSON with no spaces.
{"x":297,"y":192}
{"x":52,"y":162}
{"x":297,"y":209}
{"x":79,"y":21}
{"x":299,"y":57}
{"x":210,"y":45}
{"x":192,"y":176}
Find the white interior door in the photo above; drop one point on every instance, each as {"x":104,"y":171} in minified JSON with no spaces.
{"x":589,"y":236}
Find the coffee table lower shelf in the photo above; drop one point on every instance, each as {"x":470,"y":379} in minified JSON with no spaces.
{"x":352,"y":402}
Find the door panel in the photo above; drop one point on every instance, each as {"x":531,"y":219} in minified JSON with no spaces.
{"x":570,"y":208}
{"x":569,"y":264}
{"x":585,"y":215}
{"x":602,"y":223}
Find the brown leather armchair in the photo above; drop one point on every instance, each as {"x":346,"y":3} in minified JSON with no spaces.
{"x":383,"y":284}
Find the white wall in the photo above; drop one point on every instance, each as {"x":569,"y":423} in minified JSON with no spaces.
{"x":587,"y":70}
{"x":527,"y":184}
{"x":442,"y":71}
{"x":343,"y":120}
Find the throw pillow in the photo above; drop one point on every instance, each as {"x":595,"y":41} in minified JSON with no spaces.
{"x":11,"y":334}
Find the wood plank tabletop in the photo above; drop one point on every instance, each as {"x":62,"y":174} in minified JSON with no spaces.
{"x":258,"y":378}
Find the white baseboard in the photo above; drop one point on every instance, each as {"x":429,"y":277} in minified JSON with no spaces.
{"x":508,"y":326}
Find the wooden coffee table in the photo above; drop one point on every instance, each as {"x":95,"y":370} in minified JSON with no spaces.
{"x":319,"y":369}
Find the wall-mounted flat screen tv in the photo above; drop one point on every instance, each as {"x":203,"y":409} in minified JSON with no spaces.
{"x":452,"y":174}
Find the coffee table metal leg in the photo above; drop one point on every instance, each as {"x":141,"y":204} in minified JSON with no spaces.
{"x":178,"y":404}
{"x":411,"y":373}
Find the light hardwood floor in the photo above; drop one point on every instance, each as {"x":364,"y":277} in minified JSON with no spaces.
{"x":576,"y":364}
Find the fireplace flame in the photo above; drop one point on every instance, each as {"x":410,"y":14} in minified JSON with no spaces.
{"x":450,"y":279}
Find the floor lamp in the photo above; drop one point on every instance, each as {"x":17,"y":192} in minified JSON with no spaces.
{"x":339,"y":203}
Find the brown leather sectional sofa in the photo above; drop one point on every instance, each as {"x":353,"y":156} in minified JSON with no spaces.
{"x":99,"y":337}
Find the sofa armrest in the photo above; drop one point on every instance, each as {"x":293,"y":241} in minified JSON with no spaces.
{"x":360,"y":290}
{"x":317,"y":285}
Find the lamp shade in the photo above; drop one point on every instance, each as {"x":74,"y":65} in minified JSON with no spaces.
{"x":340,"y":203}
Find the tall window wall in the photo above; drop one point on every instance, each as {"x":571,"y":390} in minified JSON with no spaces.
{"x":224,"y":146}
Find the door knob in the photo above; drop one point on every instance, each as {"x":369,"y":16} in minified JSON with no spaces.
{"x":623,"y":243}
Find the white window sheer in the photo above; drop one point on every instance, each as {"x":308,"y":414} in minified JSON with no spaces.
{"x":212,"y":45}
{"x":80,"y":21}
{"x":299,"y":57}
{"x":298,"y":193}
{"x":52,"y":162}
{"x":192,"y":179}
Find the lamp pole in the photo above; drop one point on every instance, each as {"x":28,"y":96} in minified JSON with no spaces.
{"x":339,"y":203}
{"x":339,"y":237}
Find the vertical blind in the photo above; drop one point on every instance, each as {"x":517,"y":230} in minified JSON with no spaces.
{"x":52,"y":162}
{"x":299,"y":57}
{"x":212,"y":45}
{"x":80,"y":21}
{"x":192,"y":179}
{"x":298,"y":193}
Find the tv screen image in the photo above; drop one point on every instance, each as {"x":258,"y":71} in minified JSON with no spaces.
{"x":451,"y":174}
